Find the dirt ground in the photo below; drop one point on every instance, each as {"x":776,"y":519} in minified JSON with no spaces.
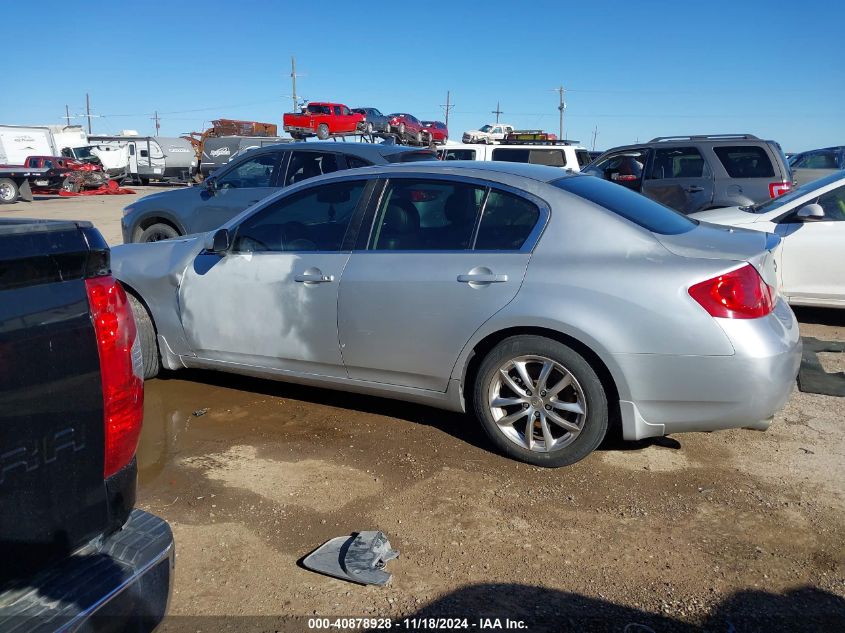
{"x":730,"y":531}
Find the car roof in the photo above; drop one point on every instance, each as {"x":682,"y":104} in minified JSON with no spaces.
{"x":474,"y":169}
{"x":363,"y":150}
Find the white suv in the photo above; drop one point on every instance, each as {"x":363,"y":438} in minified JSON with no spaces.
{"x":564,"y":154}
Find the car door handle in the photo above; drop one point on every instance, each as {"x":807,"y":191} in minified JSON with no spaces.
{"x":313,"y":278}
{"x":694,"y":189}
{"x":482,"y":278}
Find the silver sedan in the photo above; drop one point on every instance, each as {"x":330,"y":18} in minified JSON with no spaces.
{"x":553,"y":306}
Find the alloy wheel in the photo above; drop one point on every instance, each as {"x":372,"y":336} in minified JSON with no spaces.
{"x":537,"y":403}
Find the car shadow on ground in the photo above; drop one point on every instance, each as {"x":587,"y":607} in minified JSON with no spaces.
{"x":463,"y":427}
{"x":531,"y":609}
{"x":549,"y":610}
{"x":820,"y":316}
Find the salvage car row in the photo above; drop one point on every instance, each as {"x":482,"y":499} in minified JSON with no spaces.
{"x":325,"y":120}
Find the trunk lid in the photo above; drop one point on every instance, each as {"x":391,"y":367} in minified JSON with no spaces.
{"x":710,"y":241}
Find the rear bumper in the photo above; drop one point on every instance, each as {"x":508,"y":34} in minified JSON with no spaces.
{"x":675,"y":394}
{"x":120,"y":583}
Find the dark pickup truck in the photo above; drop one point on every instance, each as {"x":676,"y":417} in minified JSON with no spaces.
{"x":74,"y":553}
{"x":16,"y":181}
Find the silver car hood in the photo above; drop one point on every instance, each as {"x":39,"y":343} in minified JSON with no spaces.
{"x":712,"y":241}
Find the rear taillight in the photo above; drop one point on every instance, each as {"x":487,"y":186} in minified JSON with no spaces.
{"x":779,"y":188}
{"x":739,"y":294}
{"x":121,"y":370}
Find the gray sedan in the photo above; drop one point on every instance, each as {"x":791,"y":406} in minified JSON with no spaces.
{"x":552,"y":306}
{"x":246,"y":180}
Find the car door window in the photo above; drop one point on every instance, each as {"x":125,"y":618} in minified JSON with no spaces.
{"x":677,"y":162}
{"x":337,"y":111}
{"x":550,"y":157}
{"x":304,"y":165}
{"x":624,"y":166}
{"x":353,"y":161}
{"x":426,"y":215}
{"x":457,"y":154}
{"x":255,"y":172}
{"x":312,"y":220}
{"x":512,"y":155}
{"x":833,"y":203}
{"x":819,"y":160}
{"x":506,"y":223}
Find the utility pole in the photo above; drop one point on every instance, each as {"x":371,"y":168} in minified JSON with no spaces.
{"x":595,"y":134}
{"x":67,"y":115}
{"x":560,"y":90}
{"x":497,"y":112}
{"x":447,"y":106}
{"x":293,"y":80}
{"x":88,"y":111}
{"x":156,"y":118}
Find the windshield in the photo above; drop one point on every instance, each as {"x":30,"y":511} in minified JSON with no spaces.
{"x":788,"y":198}
{"x":82,"y":152}
{"x":486,"y":128}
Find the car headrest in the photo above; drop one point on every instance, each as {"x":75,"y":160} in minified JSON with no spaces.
{"x":401,"y":217}
{"x":458,"y":210}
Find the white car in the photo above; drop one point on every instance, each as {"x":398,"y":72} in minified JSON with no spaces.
{"x":811,"y":223}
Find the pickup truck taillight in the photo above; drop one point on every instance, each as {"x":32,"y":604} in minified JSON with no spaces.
{"x":120,"y":370}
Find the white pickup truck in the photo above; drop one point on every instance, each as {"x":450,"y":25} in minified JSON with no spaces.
{"x":490,"y":133}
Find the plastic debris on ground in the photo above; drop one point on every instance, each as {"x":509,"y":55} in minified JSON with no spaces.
{"x":358,"y":558}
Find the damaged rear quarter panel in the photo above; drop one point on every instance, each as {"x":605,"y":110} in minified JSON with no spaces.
{"x":154,"y":271}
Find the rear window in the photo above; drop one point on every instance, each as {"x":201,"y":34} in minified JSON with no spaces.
{"x":745,"y":161}
{"x":410,"y":157}
{"x":551,"y":157}
{"x":629,"y":204}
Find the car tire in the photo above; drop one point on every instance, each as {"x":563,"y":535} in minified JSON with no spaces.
{"x":8,"y":191}
{"x":322,"y":131}
{"x":570,"y":442}
{"x":369,"y":131}
{"x":146,"y":337}
{"x":418,"y":138}
{"x":71,"y":186}
{"x":157,"y":232}
{"x":401,"y":130}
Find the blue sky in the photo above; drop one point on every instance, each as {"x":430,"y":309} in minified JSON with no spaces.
{"x":634,"y":70}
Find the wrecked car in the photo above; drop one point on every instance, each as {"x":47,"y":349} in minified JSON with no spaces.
{"x":552,"y":306}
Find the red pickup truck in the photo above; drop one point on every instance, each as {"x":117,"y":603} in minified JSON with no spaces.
{"x":81,"y":175}
{"x":323,"y":119}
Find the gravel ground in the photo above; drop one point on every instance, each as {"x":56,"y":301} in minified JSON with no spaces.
{"x":730,"y":531}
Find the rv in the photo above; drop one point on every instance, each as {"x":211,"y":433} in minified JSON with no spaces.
{"x":219,"y":150}
{"x":18,"y":141}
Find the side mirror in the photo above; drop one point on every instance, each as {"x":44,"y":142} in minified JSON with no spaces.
{"x":211,"y":185}
{"x":810,"y":213}
{"x":218,"y":242}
